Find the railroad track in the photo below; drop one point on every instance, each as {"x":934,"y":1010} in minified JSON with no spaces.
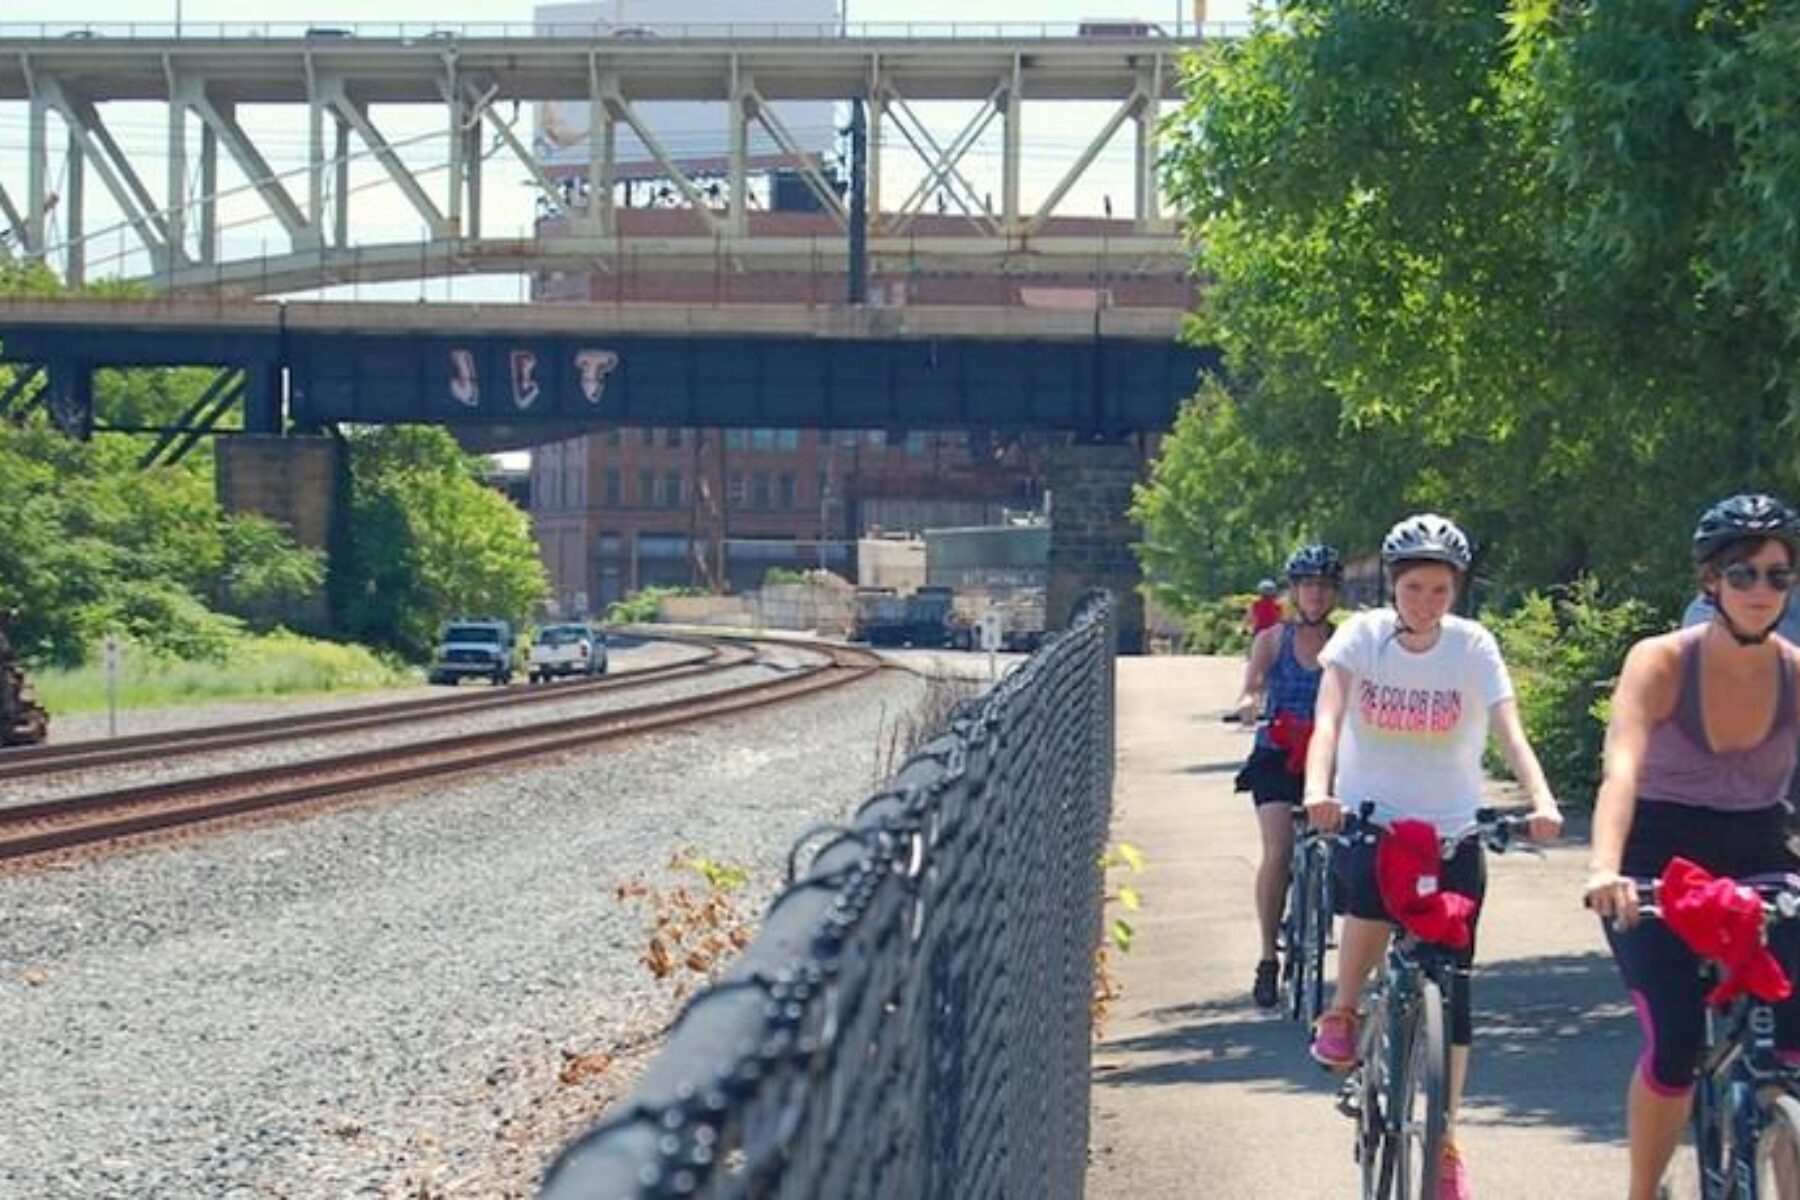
{"x":156,"y":747}
{"x":97,"y":817}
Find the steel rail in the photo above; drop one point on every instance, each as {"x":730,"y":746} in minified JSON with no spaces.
{"x":94,"y":753}
{"x":97,"y":817}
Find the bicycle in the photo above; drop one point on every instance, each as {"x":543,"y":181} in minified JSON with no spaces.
{"x":1306,"y":917}
{"x":1306,"y":922}
{"x":1746,"y":1109}
{"x":1399,"y":1090}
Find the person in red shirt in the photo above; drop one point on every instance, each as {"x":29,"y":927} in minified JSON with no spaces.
{"x":1265,"y":610}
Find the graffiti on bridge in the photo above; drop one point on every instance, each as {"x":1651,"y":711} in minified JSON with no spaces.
{"x":527,"y":387}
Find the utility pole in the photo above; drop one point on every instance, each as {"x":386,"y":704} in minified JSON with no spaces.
{"x":859,"y":204}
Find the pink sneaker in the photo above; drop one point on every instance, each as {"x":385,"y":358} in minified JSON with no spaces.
{"x":1453,"y":1176}
{"x":1334,"y":1040}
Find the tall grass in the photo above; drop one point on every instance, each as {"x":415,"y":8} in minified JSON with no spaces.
{"x":277,"y":664}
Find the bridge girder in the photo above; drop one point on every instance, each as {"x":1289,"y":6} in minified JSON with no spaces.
{"x":332,"y":84}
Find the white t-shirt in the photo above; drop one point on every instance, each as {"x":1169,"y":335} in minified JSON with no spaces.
{"x":1415,"y":724}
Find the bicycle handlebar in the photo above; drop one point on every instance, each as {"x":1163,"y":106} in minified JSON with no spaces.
{"x":1502,"y":831}
{"x":1780,"y":901}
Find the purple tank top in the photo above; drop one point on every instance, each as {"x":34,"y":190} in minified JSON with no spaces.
{"x":1680,"y":766}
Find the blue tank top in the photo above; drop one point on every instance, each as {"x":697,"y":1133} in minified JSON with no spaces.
{"x":1289,"y":687}
{"x":1680,"y":766}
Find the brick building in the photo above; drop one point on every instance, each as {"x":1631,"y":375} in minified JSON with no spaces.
{"x":634,"y":508}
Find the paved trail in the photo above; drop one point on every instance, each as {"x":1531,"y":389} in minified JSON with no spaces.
{"x":1198,"y":1093}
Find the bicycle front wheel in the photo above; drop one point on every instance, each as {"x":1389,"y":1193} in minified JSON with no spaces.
{"x":1371,"y":1082}
{"x":1293,"y":936}
{"x":1778,"y":1150}
{"x":1318,"y":929}
{"x":1419,"y":1102}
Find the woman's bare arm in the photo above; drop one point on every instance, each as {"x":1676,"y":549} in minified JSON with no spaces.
{"x":1642,"y":696}
{"x":1546,"y":817}
{"x":1256,"y":673}
{"x":1322,"y":808}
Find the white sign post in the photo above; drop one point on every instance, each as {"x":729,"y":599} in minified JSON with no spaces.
{"x":989,"y":628}
{"x":109,"y":658}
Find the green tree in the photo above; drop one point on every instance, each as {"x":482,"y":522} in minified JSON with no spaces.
{"x":1510,"y":261}
{"x":430,"y":541}
{"x":1202,"y":537}
{"x":264,"y":570}
{"x":92,"y":545}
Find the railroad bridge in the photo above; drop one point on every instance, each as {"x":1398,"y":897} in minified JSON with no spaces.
{"x":857,"y":307}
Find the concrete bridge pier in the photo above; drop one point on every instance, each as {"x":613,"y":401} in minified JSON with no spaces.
{"x":1091,"y":532}
{"x":302,"y":482}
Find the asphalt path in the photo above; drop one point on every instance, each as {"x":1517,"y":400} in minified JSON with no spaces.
{"x":1197,"y":1093}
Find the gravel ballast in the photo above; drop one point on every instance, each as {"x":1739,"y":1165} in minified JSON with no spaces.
{"x":376,"y":1000}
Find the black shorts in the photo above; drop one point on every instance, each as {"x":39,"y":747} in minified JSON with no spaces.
{"x":1724,"y":843}
{"x":1660,"y":972}
{"x":1464,"y":873}
{"x":1266,"y":777}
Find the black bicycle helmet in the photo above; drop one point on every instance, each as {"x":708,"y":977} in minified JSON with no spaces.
{"x":1317,"y":561}
{"x":1426,"y":537}
{"x":1740,"y":518}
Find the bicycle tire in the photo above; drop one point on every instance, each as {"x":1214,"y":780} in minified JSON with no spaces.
{"x":1776,"y":1155}
{"x":1293,"y":933}
{"x":1318,"y":930}
{"x":1420,"y":1101}
{"x":1371,"y":1117}
{"x":1706,"y":1117}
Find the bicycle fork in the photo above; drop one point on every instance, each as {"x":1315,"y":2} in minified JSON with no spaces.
{"x":1727,"y":1116}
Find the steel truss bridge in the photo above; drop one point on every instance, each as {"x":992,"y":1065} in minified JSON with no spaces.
{"x":218,"y":86}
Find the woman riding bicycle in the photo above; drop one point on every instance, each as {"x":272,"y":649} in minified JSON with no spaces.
{"x":1281,"y":681}
{"x":1698,"y":755}
{"x":1403,"y":714}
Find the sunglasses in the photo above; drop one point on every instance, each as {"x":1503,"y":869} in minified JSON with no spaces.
{"x":1742,"y":576}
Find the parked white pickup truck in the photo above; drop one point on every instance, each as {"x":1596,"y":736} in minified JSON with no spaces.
{"x":566,"y":650}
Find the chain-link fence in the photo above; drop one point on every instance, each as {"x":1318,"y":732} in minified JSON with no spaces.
{"x":913,"y":1019}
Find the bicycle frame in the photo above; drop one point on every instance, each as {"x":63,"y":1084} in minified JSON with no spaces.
{"x":1738,"y":1062}
{"x":1306,"y":922}
{"x":1391,"y":1023}
{"x":1739,"y":1059}
{"x":1409,"y":1001}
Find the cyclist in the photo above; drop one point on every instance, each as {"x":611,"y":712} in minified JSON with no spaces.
{"x":1404,"y":709}
{"x":1698,"y":755}
{"x":1265,"y":610}
{"x":1281,"y":681}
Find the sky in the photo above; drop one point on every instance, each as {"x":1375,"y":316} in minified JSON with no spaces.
{"x":344,"y":12}
{"x":1053,"y":136}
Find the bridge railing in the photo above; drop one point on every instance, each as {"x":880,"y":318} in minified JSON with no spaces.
{"x":325,"y":32}
{"x":913,"y":1018}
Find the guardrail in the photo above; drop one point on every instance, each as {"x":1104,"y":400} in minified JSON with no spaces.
{"x":913,"y":1019}
{"x":325,"y":32}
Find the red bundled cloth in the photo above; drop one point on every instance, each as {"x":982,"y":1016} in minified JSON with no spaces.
{"x":1293,"y":734}
{"x":1721,"y":919}
{"x":1407,"y":864}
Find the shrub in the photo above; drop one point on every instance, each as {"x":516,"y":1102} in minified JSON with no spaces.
{"x":1564,"y":650}
{"x":641,"y":606}
{"x":1217,"y":627}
